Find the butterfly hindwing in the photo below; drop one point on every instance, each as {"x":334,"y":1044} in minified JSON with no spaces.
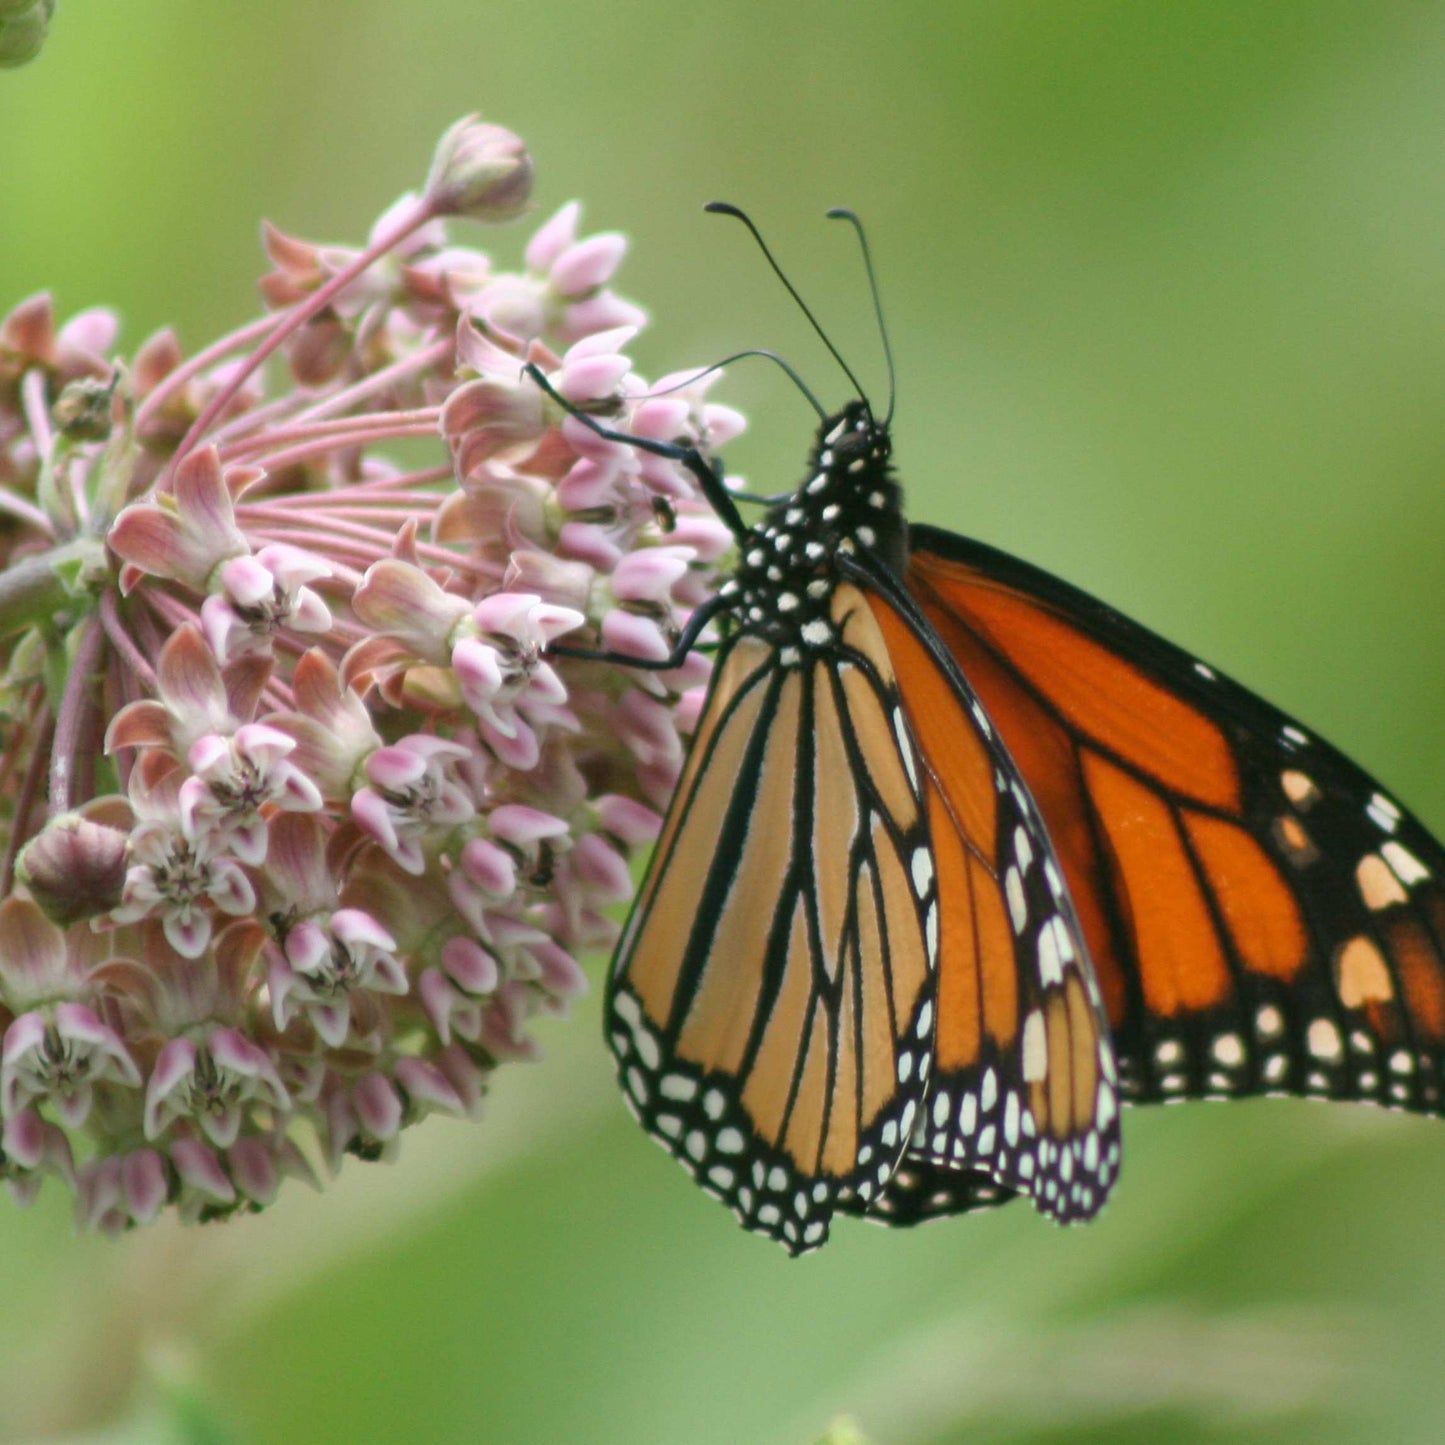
{"x":1263,"y":916}
{"x":920,"y":1190}
{"x":1023,"y":1085}
{"x":770,"y":1001}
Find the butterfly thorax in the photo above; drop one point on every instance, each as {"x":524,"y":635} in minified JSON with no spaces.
{"x":848,"y":507}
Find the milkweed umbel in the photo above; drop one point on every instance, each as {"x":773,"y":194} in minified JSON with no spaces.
{"x":961,"y":859}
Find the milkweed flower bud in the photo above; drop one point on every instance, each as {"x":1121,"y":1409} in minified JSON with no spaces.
{"x":481,"y":171}
{"x":74,"y":868}
{"x":24,"y":25}
{"x":305,"y":816}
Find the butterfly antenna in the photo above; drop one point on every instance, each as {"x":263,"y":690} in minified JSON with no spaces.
{"x":723,"y":208}
{"x":741,"y":356}
{"x":843,"y":213}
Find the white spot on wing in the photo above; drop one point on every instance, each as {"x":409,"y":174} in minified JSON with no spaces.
{"x":1383,"y":813}
{"x":1407,"y":867}
{"x":647,"y":1049}
{"x":1035,"y":1048}
{"x":1229,"y":1050}
{"x":1051,"y":966}
{"x":905,"y":747}
{"x":922,"y":871}
{"x":1018,"y":909}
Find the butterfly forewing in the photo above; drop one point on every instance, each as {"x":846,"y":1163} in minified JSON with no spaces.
{"x":1263,"y":916}
{"x":771,"y":1000}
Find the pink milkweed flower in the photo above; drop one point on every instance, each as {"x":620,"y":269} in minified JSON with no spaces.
{"x":30,"y":1149}
{"x":323,"y":961}
{"x":411,"y":793}
{"x":58,"y":1055}
{"x":234,"y":779}
{"x":211,"y":1082}
{"x":314,"y":791}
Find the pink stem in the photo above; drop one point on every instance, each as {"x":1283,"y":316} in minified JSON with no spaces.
{"x":409,"y":221}
{"x":75,"y":703}
{"x":29,"y":791}
{"x":136,"y":662}
{"x":371,"y":427}
{"x":378,"y":381}
{"x":173,"y":380}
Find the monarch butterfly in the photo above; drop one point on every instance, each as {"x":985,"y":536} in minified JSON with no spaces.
{"x":961,"y":859}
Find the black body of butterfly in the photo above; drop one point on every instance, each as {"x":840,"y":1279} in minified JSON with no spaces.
{"x":961,"y":859}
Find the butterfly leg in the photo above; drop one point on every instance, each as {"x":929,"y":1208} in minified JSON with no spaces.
{"x":686,"y":641}
{"x":706,"y":473}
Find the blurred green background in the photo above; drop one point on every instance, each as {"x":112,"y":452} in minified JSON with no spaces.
{"x":1167,"y":288}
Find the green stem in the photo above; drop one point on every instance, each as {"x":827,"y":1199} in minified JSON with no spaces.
{"x":37,"y":587}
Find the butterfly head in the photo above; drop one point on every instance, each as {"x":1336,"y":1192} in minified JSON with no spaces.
{"x":852,"y":440}
{"x":850,"y":501}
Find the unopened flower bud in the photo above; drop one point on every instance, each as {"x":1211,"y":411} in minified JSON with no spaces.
{"x":482,"y":171}
{"x":74,"y":869}
{"x":82,"y":411}
{"x":23,"y":32}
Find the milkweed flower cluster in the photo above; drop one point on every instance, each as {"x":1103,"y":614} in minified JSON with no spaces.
{"x":302,"y":820}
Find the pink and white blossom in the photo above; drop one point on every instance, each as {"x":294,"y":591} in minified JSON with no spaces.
{"x":312,"y":796}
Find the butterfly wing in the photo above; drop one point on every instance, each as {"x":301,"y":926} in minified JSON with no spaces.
{"x":921,"y":1190}
{"x":771,"y":999}
{"x":1262,"y":916}
{"x":1023,"y":1091}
